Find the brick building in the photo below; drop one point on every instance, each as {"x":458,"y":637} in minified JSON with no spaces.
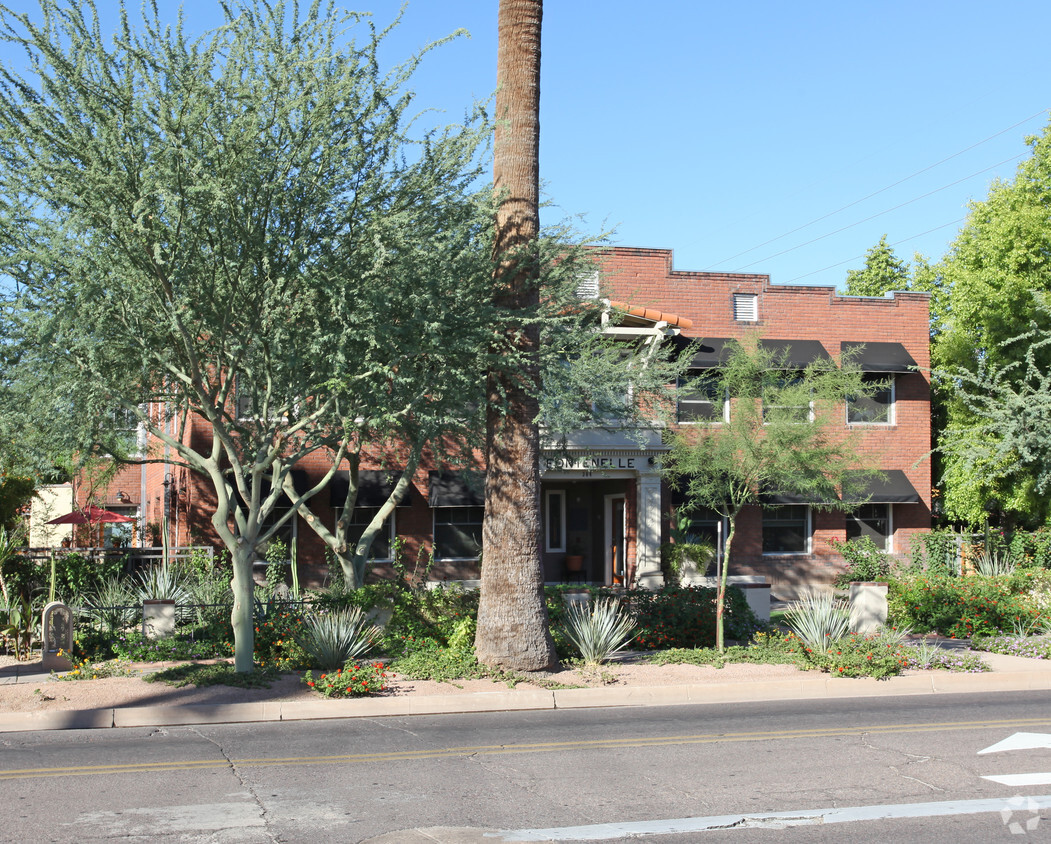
{"x":602,"y":497}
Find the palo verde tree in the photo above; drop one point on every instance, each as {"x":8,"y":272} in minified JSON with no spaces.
{"x":242,"y":229}
{"x":782,"y":434}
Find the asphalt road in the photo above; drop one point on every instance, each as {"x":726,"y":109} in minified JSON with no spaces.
{"x":719,"y":771}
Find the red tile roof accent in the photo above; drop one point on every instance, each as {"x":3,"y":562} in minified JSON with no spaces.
{"x":656,"y":316}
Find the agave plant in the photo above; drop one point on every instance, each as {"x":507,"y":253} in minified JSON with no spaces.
{"x":599,"y":630}
{"x":818,"y":618}
{"x":334,"y":638}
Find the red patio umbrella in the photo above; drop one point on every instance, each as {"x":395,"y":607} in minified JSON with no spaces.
{"x":90,"y":515}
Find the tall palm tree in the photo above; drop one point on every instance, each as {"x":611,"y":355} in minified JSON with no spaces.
{"x":512,"y":619}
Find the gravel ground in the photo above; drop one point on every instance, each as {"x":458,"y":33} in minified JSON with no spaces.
{"x":42,"y":693}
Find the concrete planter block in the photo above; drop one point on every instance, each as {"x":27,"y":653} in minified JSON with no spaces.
{"x":868,"y":606}
{"x":158,"y":619}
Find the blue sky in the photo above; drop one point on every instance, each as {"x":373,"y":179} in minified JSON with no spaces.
{"x":770,"y":137}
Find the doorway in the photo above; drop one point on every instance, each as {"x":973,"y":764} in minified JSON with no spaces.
{"x":615,"y":539}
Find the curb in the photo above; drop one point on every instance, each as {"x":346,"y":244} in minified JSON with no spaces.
{"x":804,"y":688}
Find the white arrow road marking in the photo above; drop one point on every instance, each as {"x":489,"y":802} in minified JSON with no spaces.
{"x":760,"y":820}
{"x":1022,"y":779}
{"x":1020,"y":741}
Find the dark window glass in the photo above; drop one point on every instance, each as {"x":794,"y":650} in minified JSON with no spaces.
{"x":787,"y":399}
{"x":871,"y":520}
{"x":700,"y":398}
{"x":785,"y":529}
{"x":359,"y":520}
{"x":457,"y":532}
{"x":876,"y":408}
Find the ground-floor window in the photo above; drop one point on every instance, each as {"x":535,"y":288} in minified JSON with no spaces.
{"x":873,"y":521}
{"x":786,"y":529}
{"x":555,"y":521}
{"x":382,"y":542}
{"x":457,"y":532}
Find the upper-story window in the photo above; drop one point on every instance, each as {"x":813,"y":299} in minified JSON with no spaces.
{"x":701,"y":398}
{"x":877,"y":408}
{"x":746,"y":307}
{"x":788,"y":398}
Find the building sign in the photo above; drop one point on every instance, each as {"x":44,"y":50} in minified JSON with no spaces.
{"x":591,"y":463}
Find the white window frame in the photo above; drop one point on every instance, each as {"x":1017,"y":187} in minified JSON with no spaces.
{"x":746,"y":307}
{"x":555,"y":498}
{"x":808,"y":529}
{"x":891,"y":404}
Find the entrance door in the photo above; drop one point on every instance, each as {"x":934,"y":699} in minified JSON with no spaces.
{"x":615,"y":539}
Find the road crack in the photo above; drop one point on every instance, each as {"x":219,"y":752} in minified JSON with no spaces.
{"x":245,"y":784}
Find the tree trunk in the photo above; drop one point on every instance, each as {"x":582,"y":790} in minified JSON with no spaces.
{"x":244,"y":606}
{"x":512,"y":618}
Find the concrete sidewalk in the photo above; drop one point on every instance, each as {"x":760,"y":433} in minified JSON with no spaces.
{"x":1009,"y":673}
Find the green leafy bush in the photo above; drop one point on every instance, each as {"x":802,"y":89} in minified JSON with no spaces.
{"x":349,"y":681}
{"x":135,"y":647}
{"x":426,"y":659}
{"x":276,"y":639}
{"x":864,"y":561}
{"x":876,"y":656}
{"x":961,"y":607}
{"x":684,"y":617}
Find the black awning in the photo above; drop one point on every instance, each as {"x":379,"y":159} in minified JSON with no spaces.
{"x":710,"y":353}
{"x":374,"y":488}
{"x":456,"y":489}
{"x":796,"y":354}
{"x":892,"y":488}
{"x":879,"y":357}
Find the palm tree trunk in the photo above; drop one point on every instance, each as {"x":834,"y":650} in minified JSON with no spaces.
{"x":512,"y":618}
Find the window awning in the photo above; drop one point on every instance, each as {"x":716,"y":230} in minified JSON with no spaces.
{"x":456,"y":489}
{"x":893,"y":488}
{"x":796,"y":354}
{"x":374,"y":488}
{"x":879,"y":357}
{"x":778,"y":499}
{"x":710,"y":352}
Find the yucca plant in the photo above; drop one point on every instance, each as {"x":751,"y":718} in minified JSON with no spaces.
{"x":110,"y":602}
{"x":818,"y":618}
{"x":993,"y":563}
{"x":599,"y":630}
{"x":334,"y":638}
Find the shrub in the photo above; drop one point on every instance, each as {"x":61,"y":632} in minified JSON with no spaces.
{"x":163,"y":583}
{"x":864,"y":561}
{"x":276,"y":644}
{"x":817,"y":619}
{"x":684,"y":617}
{"x":349,"y":681}
{"x":961,"y":607}
{"x":1030,"y":647}
{"x":599,"y":629}
{"x":135,"y":647}
{"x":426,"y":659}
{"x":876,"y":656}
{"x":333,"y":638}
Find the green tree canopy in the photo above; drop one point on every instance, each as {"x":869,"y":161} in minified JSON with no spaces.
{"x":783,"y":433}
{"x":884,"y":271}
{"x":994,"y":277}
